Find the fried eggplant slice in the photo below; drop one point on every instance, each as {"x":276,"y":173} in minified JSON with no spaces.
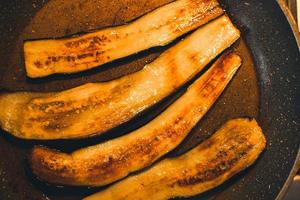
{"x":233,"y":148}
{"x":158,"y":28}
{"x":95,"y":108}
{"x":112,"y":160}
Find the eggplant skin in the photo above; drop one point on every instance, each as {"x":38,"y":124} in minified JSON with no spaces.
{"x":233,"y":148}
{"x":158,"y":28}
{"x":110,"y":161}
{"x":94,"y":108}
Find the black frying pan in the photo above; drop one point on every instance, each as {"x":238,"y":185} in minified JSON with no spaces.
{"x":267,"y":87}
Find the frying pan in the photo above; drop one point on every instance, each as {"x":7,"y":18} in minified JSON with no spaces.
{"x":266,"y":87}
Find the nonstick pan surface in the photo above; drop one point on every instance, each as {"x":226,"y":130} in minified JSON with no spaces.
{"x":266,"y":87}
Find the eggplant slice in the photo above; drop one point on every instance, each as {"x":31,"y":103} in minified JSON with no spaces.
{"x":158,"y":28}
{"x":112,"y":160}
{"x":95,"y":108}
{"x":230,"y":150}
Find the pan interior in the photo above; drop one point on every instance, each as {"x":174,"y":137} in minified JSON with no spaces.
{"x":58,"y":18}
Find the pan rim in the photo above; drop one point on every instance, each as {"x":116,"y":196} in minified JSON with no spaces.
{"x":296,"y":165}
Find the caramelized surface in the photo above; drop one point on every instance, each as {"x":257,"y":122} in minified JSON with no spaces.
{"x":45,"y":57}
{"x":107,"y":162}
{"x":97,"y":107}
{"x":231,"y":149}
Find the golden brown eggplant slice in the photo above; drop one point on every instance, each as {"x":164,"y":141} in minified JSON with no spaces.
{"x":231,"y":149}
{"x":158,"y":28}
{"x":112,"y":160}
{"x":94,"y":108}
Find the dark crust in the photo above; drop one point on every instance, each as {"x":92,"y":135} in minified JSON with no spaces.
{"x":48,"y":160}
{"x":216,"y":167}
{"x":92,"y":49}
{"x":216,"y":77}
{"x":93,"y":42}
{"x":233,"y":147}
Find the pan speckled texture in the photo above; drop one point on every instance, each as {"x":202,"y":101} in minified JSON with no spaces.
{"x":271,"y":97}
